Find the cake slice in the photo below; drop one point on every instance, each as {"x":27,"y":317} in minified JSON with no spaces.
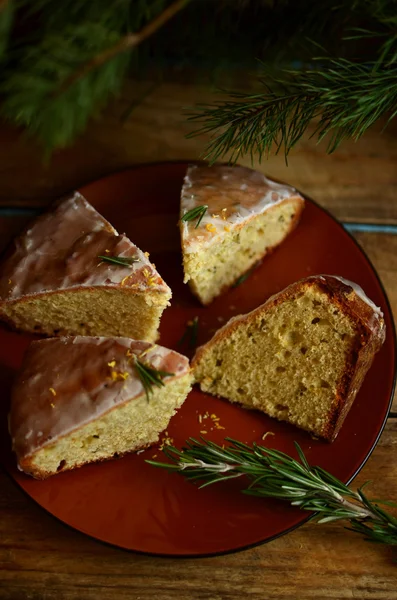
{"x":248,"y":215}
{"x":82,"y":399}
{"x":54,"y":281}
{"x":301,"y":357}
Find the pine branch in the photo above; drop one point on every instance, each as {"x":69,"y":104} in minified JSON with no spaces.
{"x":273,"y":474}
{"x":127,"y":42}
{"x":54,"y":85}
{"x":6,"y":19}
{"x":345,"y":97}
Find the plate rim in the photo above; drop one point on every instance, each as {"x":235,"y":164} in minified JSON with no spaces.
{"x":310,"y":516}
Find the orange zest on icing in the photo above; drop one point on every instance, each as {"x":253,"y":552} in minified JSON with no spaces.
{"x":53,"y":392}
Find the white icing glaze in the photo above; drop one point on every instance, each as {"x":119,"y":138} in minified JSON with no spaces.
{"x":233,"y":195}
{"x":60,"y":251}
{"x":79,"y":384}
{"x":358,"y":290}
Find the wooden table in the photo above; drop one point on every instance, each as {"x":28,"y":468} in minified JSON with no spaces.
{"x":42,"y":559}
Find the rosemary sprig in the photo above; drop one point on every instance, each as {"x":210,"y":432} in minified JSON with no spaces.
{"x":150,"y":377}
{"x":122,"y":261}
{"x":190,"y":335}
{"x":195,"y":213}
{"x":273,"y":474}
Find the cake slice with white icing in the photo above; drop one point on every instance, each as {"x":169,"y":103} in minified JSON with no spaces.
{"x":70,"y":272}
{"x":245,"y":216}
{"x":83,"y":399}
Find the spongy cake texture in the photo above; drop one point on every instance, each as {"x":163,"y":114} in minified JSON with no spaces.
{"x":54,"y":282}
{"x":248,"y":215}
{"x":301,"y":357}
{"x":80,"y":399}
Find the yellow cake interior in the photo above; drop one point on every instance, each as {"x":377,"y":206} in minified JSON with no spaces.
{"x":217,"y":266}
{"x":95,"y":311}
{"x":287,"y":362}
{"x":135,"y":424}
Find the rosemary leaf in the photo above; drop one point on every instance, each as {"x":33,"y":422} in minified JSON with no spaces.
{"x":150,"y":377}
{"x":190,"y":335}
{"x":274,"y":474}
{"x":244,"y":276}
{"x":122,"y":261}
{"x":195,"y":213}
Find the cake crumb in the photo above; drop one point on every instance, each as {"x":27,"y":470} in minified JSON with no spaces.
{"x":264,"y":436}
{"x":165,"y":441}
{"x":203,"y":432}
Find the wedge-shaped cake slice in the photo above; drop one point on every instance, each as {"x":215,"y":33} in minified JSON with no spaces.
{"x":300,"y":357}
{"x":247,"y":216}
{"x":84,"y":399}
{"x":54,"y":281}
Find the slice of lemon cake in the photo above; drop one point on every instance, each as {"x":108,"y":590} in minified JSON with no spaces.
{"x":300,"y":357}
{"x":70,"y":272}
{"x":230,"y":218}
{"x":84,"y":399}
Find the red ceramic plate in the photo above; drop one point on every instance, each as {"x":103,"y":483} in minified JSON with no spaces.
{"x":135,"y":506}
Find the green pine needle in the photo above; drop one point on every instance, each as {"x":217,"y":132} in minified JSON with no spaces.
{"x":342,"y":98}
{"x":274,"y":474}
{"x":196,"y":213}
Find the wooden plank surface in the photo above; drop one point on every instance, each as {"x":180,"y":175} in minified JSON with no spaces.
{"x":358,"y":182}
{"x":42,"y":559}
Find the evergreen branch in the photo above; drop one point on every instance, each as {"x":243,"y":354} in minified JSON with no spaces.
{"x":55,"y":83}
{"x":274,"y":474}
{"x":345,"y":97}
{"x":6,"y":19}
{"x":127,"y":42}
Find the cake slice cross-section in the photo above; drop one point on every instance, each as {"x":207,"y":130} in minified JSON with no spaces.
{"x":301,"y":357}
{"x":81,"y":399}
{"x":54,"y":281}
{"x":246,"y":216}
